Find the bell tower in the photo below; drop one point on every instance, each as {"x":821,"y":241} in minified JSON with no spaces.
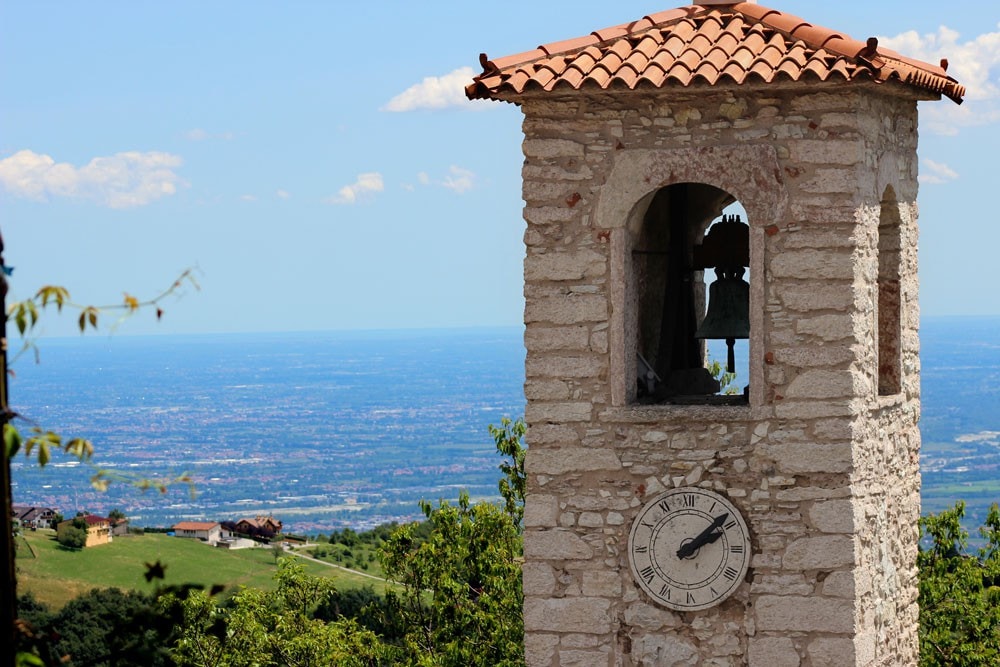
{"x":711,"y":178}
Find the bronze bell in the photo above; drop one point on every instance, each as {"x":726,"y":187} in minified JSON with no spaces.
{"x":726,"y":247}
{"x":728,"y":316}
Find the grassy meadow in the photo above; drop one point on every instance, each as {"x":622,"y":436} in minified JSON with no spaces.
{"x":56,"y":575}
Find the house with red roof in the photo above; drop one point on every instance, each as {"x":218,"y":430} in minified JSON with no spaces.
{"x":98,"y":529}
{"x":206,"y":531}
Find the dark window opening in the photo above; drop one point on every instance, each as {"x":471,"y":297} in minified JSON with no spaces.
{"x":888,"y":307}
{"x":690,"y":275}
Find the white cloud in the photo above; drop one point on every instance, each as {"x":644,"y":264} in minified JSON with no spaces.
{"x":122,"y":180}
{"x":366,"y":184}
{"x":283,"y":194}
{"x":459,"y":179}
{"x":249,"y":197}
{"x":436,"y":92}
{"x":976,"y":65}
{"x":937,"y":173}
{"x":198,"y":134}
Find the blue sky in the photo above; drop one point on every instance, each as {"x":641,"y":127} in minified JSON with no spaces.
{"x":318,"y":165}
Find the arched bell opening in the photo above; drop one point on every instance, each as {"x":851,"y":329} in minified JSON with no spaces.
{"x":690,"y":277}
{"x":887,"y":322}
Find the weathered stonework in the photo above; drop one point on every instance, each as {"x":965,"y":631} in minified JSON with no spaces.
{"x":821,"y":462}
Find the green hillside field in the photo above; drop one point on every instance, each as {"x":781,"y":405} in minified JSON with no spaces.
{"x":55,"y":575}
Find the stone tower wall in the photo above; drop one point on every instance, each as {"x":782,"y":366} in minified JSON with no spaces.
{"x":823,"y":468}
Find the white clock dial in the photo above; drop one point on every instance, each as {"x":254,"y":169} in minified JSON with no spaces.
{"x":689,"y":549}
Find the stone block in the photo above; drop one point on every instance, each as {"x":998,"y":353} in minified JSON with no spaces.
{"x":844,"y":153}
{"x":833,"y":516}
{"x":584,"y":658}
{"x":811,"y":409}
{"x":552,"y":148}
{"x":839,"y":585}
{"x":563,"y":366}
{"x":539,"y":649}
{"x":662,"y":650}
{"x":571,"y":459}
{"x":546,"y":390}
{"x":538,"y":412}
{"x":804,"y":299}
{"x":544,"y":339}
{"x":649,"y":617}
{"x":602,"y":584}
{"x":550,"y":434}
{"x":832,"y":181}
{"x":812,"y":356}
{"x":831,"y":652}
{"x":826,"y":552}
{"x":562,"y":266}
{"x":792,"y":613}
{"x":829,"y":328}
{"x":813,"y":265}
{"x":795,"y":458}
{"x":577,"y":614}
{"x":821,"y":384}
{"x":538,"y":579}
{"x":569,"y":309}
{"x":541,"y":511}
{"x":556,"y":544}
{"x":772,"y":652}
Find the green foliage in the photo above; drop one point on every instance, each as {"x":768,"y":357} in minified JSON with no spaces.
{"x":959,"y":592}
{"x":460,"y":599}
{"x":279,"y":628}
{"x":103,"y":627}
{"x":459,"y":573}
{"x":727,"y":380}
{"x":73,"y":536}
{"x":508,"y":442}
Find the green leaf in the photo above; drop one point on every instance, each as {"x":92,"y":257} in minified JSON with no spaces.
{"x":11,"y":440}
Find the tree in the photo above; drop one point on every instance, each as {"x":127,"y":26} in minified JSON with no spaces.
{"x":279,"y":628}
{"x":460,"y":600}
{"x":959,"y":592}
{"x":73,"y":536}
{"x":41,"y":442}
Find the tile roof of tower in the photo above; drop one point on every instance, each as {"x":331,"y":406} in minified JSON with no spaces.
{"x":704,"y":44}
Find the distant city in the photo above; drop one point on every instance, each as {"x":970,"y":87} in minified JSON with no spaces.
{"x":328,"y":430}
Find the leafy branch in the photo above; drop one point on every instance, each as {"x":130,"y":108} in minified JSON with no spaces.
{"x":42,"y":443}
{"x":26,"y":314}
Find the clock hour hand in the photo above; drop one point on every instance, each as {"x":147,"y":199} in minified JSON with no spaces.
{"x":706,"y":536}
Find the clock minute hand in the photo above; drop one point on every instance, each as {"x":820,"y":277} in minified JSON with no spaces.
{"x":706,"y":536}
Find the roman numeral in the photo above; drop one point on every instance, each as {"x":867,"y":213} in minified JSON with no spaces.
{"x":647,"y":575}
{"x":688,"y":500}
{"x":690,"y":598}
{"x":664,"y":506}
{"x":665,"y":592}
{"x":735,"y":548}
{"x":730,"y":573}
{"x":715,"y":593}
{"x":731,"y":524}
{"x":641,"y":549}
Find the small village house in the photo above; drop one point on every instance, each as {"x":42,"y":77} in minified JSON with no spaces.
{"x":98,"y":529}
{"x":259,"y":525}
{"x":206,"y":531}
{"x":34,"y":518}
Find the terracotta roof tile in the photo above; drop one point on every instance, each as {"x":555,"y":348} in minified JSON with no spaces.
{"x":705,"y":45}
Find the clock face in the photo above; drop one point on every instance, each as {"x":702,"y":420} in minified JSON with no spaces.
{"x":689,"y":549}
